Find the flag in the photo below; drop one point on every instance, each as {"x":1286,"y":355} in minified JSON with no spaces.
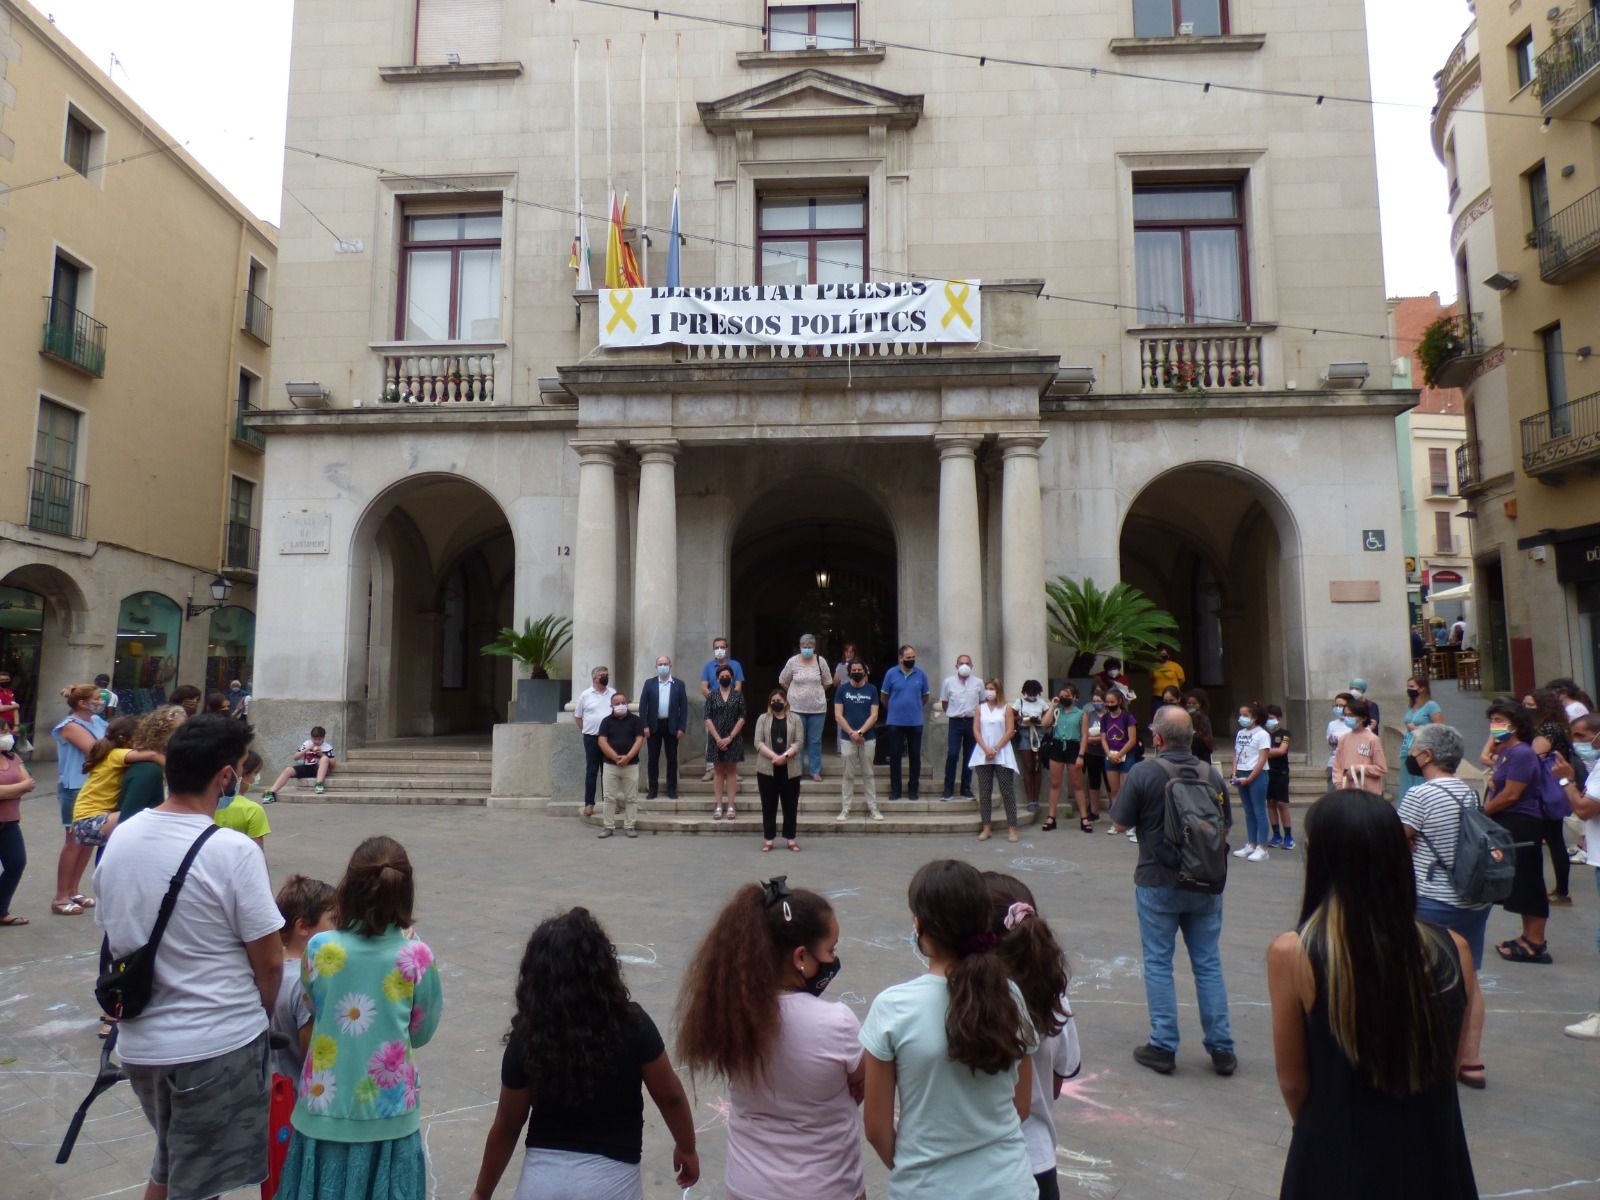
{"x":672,"y":246}
{"x":613,"y":244}
{"x":582,"y":256}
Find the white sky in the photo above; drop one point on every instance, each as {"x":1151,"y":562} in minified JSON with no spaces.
{"x":215,"y":73}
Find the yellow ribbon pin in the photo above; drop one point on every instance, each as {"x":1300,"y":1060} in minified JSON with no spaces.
{"x":621,"y":301}
{"x":957,"y":295}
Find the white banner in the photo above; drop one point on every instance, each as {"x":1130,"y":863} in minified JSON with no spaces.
{"x":808,"y":315}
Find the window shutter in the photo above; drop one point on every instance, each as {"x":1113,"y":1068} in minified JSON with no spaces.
{"x":1438,"y":471}
{"x":1441,"y":532}
{"x":469,"y":29}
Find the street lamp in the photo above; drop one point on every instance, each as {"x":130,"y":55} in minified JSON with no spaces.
{"x":220,"y":588}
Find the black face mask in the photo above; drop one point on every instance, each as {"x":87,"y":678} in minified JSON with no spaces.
{"x":858,"y":678}
{"x":602,"y":680}
{"x":725,"y":680}
{"x":908,"y":663}
{"x":819,"y":982}
{"x":1412,"y":694}
{"x":1412,"y":766}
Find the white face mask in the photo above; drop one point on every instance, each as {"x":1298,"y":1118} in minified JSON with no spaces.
{"x":988,"y":694}
{"x":6,"y":743}
{"x":619,"y":710}
{"x":963,"y":670}
{"x":719,"y":653}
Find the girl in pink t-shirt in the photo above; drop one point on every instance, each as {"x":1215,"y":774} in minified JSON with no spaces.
{"x":752,"y":1012}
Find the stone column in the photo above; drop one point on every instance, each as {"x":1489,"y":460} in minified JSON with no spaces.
{"x":1022,"y":599}
{"x":655,"y":561}
{"x":960,"y":580}
{"x":594,"y":564}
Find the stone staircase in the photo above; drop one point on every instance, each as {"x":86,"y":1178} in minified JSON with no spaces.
{"x":414,"y":774}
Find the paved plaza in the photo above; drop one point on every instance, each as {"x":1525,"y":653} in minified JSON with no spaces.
{"x":485,"y":877}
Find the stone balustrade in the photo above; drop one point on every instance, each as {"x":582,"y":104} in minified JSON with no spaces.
{"x":456,"y":373}
{"x":1224,"y":361}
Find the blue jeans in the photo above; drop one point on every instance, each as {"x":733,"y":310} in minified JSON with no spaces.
{"x":962,"y":743}
{"x":812,"y":723}
{"x":1253,"y":798}
{"x":1163,"y":911}
{"x":1469,"y":923}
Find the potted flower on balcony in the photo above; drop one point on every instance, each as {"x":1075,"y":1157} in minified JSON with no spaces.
{"x":1441,"y":342}
{"x":535,"y":647}
{"x":1183,"y":377}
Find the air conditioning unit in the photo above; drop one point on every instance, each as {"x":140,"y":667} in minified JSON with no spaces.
{"x":1186,"y":29}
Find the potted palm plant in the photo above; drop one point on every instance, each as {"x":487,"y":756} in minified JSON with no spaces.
{"x":535,"y":647}
{"x":1121,"y":621}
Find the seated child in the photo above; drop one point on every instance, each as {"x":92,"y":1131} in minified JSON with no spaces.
{"x":313,"y":760}
{"x":242,"y":813}
{"x":94,"y":815}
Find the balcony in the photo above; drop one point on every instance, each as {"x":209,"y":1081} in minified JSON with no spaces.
{"x":246,"y":436}
{"x":1469,"y":467}
{"x":1457,"y":352}
{"x":1569,"y":242}
{"x":1562,"y":438}
{"x":1194,"y":361}
{"x":257,"y":318}
{"x":1569,"y":69}
{"x":241,"y":548}
{"x":73,"y":338}
{"x":447,"y":374}
{"x":57,"y":503}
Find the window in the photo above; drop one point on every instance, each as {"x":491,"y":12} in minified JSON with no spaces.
{"x":80,"y":143}
{"x":1438,"y":472}
{"x":812,"y":238}
{"x":450,"y":277}
{"x":241,"y":547}
{"x":1443,"y":538}
{"x":1524,"y":65}
{"x":1538,"y":197}
{"x":1189,"y":253}
{"x":247,"y":392}
{"x":66,"y":284}
{"x":241,"y":501}
{"x":1180,"y":18}
{"x":1451,"y":175}
{"x":56,"y":501}
{"x":811,"y":26}
{"x":457,"y":31}
{"x":1555,"y":381}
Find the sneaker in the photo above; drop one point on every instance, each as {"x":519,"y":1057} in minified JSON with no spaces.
{"x":1224,"y":1062}
{"x":1576,"y":854}
{"x":1277,"y":841}
{"x":706,"y":778}
{"x":1259,"y":854}
{"x":969,"y":797}
{"x":1133,"y":835}
{"x":605,"y":833}
{"x":1111,"y":826}
{"x":1561,"y":899}
{"x":948,"y":796}
{"x":844,"y":815}
{"x":269,"y":797}
{"x":631,"y":832}
{"x":873,"y":809}
{"x":1244,"y":851}
{"x":1587,"y":1030}
{"x":1033,"y":806}
{"x":1288,"y":841}
{"x":319,"y":789}
{"x":1162,"y":1062}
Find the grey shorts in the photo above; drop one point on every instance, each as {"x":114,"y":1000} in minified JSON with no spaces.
{"x":210,"y":1121}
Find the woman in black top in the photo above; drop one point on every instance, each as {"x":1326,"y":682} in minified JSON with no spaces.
{"x":1553,"y":733}
{"x":1368,"y":1008}
{"x":1199,"y":706}
{"x":577,"y":1052}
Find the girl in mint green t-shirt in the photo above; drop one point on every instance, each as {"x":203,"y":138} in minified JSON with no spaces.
{"x":954,"y":1045}
{"x":376,"y":994}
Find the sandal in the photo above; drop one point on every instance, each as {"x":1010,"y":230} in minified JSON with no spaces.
{"x":1049,"y":824}
{"x":984,"y":835}
{"x":1471,"y":1075}
{"x":795,"y":846}
{"x":766,"y":847}
{"x":1086,"y":825}
{"x":83,"y":901}
{"x":66,"y":908}
{"x":10,"y":920}
{"x":716,"y":813}
{"x":1518,"y":950}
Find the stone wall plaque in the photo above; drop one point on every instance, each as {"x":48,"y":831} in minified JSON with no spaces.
{"x":307,"y":533}
{"x":1353,"y":591}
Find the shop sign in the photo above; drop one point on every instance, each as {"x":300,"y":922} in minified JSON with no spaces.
{"x":1578,"y":561}
{"x":306,"y":533}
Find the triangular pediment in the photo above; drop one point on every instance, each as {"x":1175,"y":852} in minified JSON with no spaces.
{"x":811,"y":99}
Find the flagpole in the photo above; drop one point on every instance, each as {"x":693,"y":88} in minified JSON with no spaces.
{"x":644,"y":178}
{"x":577,"y":152}
{"x":677,"y":110}
{"x":610,"y":186}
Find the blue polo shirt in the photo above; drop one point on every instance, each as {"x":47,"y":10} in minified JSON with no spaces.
{"x":708,"y":673}
{"x":857,"y":702}
{"x":904,"y":695}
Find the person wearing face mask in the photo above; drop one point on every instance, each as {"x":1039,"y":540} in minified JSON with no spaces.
{"x":15,"y":783}
{"x":1515,"y":799}
{"x":1066,"y":754}
{"x":589,"y":708}
{"x":994,"y":729}
{"x":1358,"y":691}
{"x":621,"y":742}
{"x":1032,"y":710}
{"x":905,"y":693}
{"x":780,"y":734}
{"x":75,"y":736}
{"x":855,"y":712}
{"x":725,"y":735}
{"x":1093,"y":756}
{"x":1250,"y":746}
{"x":1422,"y":710}
{"x":1584,"y":800}
{"x":959,"y":697}
{"x":1359,"y":761}
{"x":1167,"y":673}
{"x":1278,"y":779}
{"x":1119,"y":738}
{"x":1198,"y":705}
{"x":806,"y":679}
{"x":751,"y":1012}
{"x":1336,"y":730}
{"x":664,"y":709}
{"x":720,"y":657}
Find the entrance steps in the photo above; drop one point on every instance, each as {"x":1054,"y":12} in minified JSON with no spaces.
{"x":410,"y":774}
{"x":817,"y":817}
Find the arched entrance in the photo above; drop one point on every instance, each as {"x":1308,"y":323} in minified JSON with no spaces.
{"x":1216,"y":548}
{"x":812,"y":555}
{"x":440,"y":563}
{"x":42,"y":609}
{"x":149,"y":638}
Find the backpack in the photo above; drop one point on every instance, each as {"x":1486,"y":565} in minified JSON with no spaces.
{"x":1485,"y":863}
{"x":1196,"y":840}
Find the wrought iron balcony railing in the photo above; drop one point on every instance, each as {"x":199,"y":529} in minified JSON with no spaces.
{"x":1570,"y":67}
{"x":241,"y":550}
{"x":73,"y":337}
{"x":257,"y":318}
{"x":57,"y":503}
{"x":1569,"y":242}
{"x":1563,"y":436}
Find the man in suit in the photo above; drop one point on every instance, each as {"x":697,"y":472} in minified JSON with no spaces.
{"x":664,"y":709}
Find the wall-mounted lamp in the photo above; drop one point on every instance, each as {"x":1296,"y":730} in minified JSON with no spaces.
{"x":220,"y":589}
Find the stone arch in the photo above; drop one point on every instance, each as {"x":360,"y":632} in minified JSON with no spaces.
{"x":56,"y":653}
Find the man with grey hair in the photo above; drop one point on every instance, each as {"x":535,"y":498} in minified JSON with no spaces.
{"x":1431,"y":814}
{"x":1165,"y":910}
{"x":589,"y":708}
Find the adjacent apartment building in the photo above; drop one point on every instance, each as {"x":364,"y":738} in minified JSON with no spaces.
{"x":135,"y":322}
{"x":1519,"y":99}
{"x":1179,"y":286}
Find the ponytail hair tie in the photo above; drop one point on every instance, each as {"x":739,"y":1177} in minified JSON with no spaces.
{"x":1018,"y":913}
{"x":979,"y":943}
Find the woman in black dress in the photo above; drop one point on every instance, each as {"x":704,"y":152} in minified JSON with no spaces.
{"x":1368,"y":1006}
{"x":725,"y":729}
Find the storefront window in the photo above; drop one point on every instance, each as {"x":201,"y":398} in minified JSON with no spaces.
{"x":149,"y":632}
{"x":230,"y":647}
{"x":21,"y":631}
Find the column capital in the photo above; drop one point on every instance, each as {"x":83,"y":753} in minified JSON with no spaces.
{"x":958,"y":445}
{"x":658,"y":450}
{"x":599,"y":451}
{"x":1020,"y":445}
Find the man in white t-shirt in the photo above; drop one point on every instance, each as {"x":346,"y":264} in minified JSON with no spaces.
{"x":1585,"y":804}
{"x":589,"y":708}
{"x":202,"y":1039}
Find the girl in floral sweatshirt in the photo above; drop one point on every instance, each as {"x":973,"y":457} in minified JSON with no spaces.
{"x":376,"y":995}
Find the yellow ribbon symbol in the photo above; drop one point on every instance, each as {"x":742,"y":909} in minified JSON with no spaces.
{"x":621,"y":300}
{"x":957,"y":295}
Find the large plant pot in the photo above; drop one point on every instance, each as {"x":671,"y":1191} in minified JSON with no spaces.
{"x":540,"y":701}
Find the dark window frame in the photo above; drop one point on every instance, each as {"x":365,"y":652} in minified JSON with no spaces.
{"x":76,"y":120}
{"x":811,"y":22}
{"x":1438,"y":471}
{"x":1524,"y":63}
{"x":813,"y":236}
{"x":249,"y":486}
{"x":1185,"y":225}
{"x":407,"y":245}
{"x":1177,"y":19}
{"x":1537,"y":183}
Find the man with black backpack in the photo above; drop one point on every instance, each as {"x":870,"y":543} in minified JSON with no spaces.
{"x":1175,"y":801}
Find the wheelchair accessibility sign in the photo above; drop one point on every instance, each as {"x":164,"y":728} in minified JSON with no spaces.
{"x":1373,"y":539}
